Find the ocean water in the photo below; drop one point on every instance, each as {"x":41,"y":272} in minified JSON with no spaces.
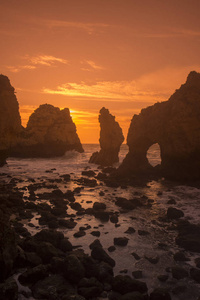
{"x":157,"y":192}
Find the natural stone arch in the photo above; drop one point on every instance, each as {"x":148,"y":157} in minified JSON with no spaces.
{"x":175,"y":125}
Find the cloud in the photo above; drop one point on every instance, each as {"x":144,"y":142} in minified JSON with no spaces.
{"x":19,"y":68}
{"x":36,"y":61}
{"x":149,"y":88}
{"x":46,"y":60}
{"x":167,"y":32}
{"x":92,"y":65}
{"x":90,"y":28}
{"x":84,"y":117}
{"x":106,"y":90}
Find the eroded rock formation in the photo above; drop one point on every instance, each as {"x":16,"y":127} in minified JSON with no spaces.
{"x":175,"y":126}
{"x":111,"y":138}
{"x":49,"y":132}
{"x":10,"y":122}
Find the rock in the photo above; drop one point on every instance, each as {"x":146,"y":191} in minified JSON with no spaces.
{"x":132,"y":296}
{"x":79,"y":234}
{"x":125,"y":284}
{"x":33,"y":275}
{"x":160,"y":294}
{"x":179,"y":289}
{"x":10,"y":121}
{"x":95,"y":233}
{"x":105,"y":273}
{"x":51,"y":236}
{"x":136,"y":256}
{"x":143,"y":232}
{"x":153,"y":258}
{"x":70,"y":224}
{"x":73,"y":296}
{"x":197,"y":262}
{"x":111,"y":248}
{"x":90,"y":288}
{"x":32,"y":259}
{"x":121,"y":241}
{"x":89,"y":173}
{"x":91,"y":266}
{"x":188,"y":236}
{"x":87,"y":182}
{"x":111,"y":138}
{"x":96,"y":243}
{"x":124,"y":203}
{"x":163,"y":278}
{"x":124,"y":271}
{"x":101,"y":193}
{"x":74,"y":270}
{"x":130,"y":230}
{"x":100,"y":254}
{"x":52,"y":287}
{"x":114,"y":218}
{"x":179,"y":272}
{"x":180,"y":256}
{"x":46,"y":251}
{"x":65,"y":245}
{"x":8,"y":248}
{"x":137,"y":274}
{"x":175,"y":126}
{"x":174,"y":213}
{"x":114,"y":295}
{"x":102,"y":215}
{"x":9,"y":290}
{"x":76,"y":206}
{"x":50,"y":132}
{"x":66,"y":177}
{"x":195,"y":274}
{"x":99,"y":206}
{"x":171,"y":201}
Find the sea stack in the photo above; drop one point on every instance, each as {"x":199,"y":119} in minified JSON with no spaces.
{"x":111,"y":138}
{"x":50,"y":132}
{"x":175,"y":126}
{"x":10,"y":121}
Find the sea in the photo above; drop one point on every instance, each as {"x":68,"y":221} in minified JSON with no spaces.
{"x":147,"y":218}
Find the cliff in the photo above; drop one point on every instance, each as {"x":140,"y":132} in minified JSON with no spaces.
{"x":10,"y":121}
{"x":49,"y":132}
{"x":175,"y":126}
{"x":111,"y":138}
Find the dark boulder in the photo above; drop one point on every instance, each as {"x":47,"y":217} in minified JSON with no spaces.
{"x":160,"y":294}
{"x":100,"y":254}
{"x":174,"y":213}
{"x":121,"y":241}
{"x":126,"y":284}
{"x":74,"y":270}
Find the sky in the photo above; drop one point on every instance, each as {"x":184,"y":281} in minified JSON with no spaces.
{"x":85,"y":54}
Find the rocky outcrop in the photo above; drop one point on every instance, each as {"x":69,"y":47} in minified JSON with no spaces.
{"x":111,"y":138}
{"x":10,"y":122}
{"x":49,"y":132}
{"x":175,"y":126}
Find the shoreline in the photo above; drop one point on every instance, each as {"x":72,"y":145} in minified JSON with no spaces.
{"x":152,"y":237}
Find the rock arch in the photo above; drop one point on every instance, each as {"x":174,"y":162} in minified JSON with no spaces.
{"x":175,"y":126}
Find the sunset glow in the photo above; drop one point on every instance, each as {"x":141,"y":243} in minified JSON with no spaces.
{"x":124,"y":55}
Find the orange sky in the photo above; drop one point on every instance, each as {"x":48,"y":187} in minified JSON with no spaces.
{"x":85,"y":54}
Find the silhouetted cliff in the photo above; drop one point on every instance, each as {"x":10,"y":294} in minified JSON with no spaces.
{"x":111,"y":138}
{"x":49,"y":132}
{"x":175,"y":126}
{"x":10,"y":121}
